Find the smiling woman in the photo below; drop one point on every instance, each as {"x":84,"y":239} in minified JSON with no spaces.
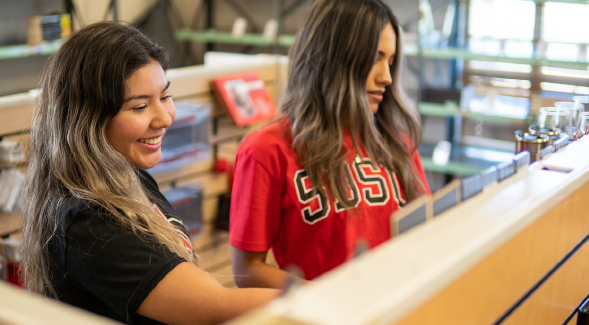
{"x":98,"y":234}
{"x":148,"y":110}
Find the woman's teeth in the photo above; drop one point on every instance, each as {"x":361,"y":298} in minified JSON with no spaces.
{"x":151,"y":141}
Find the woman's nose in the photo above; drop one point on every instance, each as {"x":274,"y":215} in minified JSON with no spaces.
{"x":163,"y":115}
{"x":384,"y":76}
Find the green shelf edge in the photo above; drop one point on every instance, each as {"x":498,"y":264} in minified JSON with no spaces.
{"x":435,"y":109}
{"x":21,"y":51}
{"x":211,"y":36}
{"x":411,"y":49}
{"x":443,"y":110}
{"x":451,"y":168}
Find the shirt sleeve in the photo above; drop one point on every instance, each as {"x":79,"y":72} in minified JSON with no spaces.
{"x":421,"y":173}
{"x":255,"y":205}
{"x":116,"y":265}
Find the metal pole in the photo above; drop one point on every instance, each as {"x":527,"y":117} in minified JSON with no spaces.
{"x":115,"y":9}
{"x":278,"y":14}
{"x":210,"y":21}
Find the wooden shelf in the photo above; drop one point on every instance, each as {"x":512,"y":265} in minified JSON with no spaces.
{"x":9,"y":224}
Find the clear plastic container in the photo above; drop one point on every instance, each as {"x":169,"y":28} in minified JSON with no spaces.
{"x":188,"y":139}
{"x":187,"y":203}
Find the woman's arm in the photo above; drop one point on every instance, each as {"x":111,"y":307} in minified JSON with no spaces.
{"x":251,"y":271}
{"x":188,"y":295}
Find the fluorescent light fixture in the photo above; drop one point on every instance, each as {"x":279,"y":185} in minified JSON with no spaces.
{"x":500,"y":66}
{"x":549,"y":71}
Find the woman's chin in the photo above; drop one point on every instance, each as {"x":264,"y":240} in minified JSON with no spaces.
{"x":147,"y":163}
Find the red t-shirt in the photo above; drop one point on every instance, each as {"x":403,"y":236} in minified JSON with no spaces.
{"x":273,"y":205}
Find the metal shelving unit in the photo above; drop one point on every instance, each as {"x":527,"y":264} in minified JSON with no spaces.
{"x":210,"y":36}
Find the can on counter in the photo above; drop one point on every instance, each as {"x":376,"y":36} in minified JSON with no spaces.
{"x":530,"y":142}
{"x":553,"y":134}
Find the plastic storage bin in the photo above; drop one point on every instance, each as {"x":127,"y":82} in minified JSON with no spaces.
{"x":187,"y":202}
{"x":188,"y":138}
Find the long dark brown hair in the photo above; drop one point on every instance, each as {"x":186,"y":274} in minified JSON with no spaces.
{"x":82,"y":89}
{"x":329,"y":64}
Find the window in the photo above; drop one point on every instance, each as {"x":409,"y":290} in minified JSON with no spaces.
{"x":564,"y":29}
{"x":506,"y":28}
{"x":565,"y":23}
{"x":490,"y":19}
{"x":493,"y":30}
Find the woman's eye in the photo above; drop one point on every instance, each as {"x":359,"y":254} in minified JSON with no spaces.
{"x":166,"y":97}
{"x":140,"y":108}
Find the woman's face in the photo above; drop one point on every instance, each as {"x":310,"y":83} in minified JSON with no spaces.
{"x":137,"y":129}
{"x":380,"y":75}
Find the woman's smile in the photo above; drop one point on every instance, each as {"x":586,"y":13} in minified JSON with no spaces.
{"x":152,"y":143}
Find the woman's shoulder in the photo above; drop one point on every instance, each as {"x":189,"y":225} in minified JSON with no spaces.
{"x":71,"y":206}
{"x":79,"y":213}
{"x":272,"y":137}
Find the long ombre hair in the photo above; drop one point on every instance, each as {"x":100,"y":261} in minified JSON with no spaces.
{"x":82,"y":89}
{"x":329,"y":64}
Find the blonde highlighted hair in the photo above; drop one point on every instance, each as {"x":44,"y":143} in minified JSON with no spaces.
{"x":82,"y":89}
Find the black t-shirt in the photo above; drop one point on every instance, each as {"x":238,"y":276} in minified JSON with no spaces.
{"x":98,"y":265}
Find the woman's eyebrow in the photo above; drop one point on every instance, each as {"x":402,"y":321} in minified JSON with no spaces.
{"x":381,"y":53}
{"x":167,"y":86}
{"x":145,"y":96}
{"x":137,"y":97}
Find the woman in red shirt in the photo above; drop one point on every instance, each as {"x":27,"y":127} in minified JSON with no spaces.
{"x":342,"y":157}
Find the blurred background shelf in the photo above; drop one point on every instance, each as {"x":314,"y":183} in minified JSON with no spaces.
{"x":450,"y":109}
{"x":563,"y":1}
{"x":21,"y":51}
{"x":213,"y":36}
{"x":464,"y":160}
{"x":412,"y":49}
